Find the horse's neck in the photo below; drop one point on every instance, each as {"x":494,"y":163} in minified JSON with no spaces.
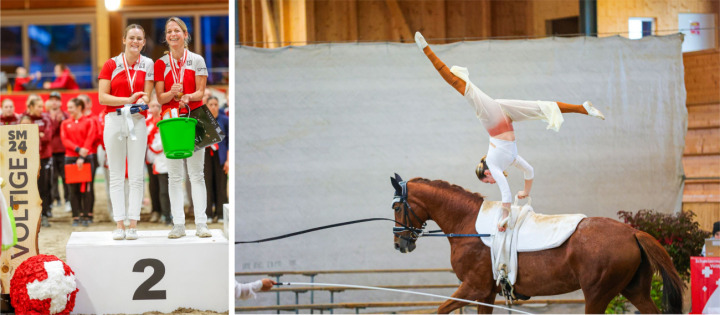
{"x":450,"y":211}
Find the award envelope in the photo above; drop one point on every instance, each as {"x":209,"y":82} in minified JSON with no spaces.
{"x":207,"y":130}
{"x":73,"y":175}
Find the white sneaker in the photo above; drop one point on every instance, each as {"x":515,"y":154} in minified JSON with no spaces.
{"x":592,"y":111}
{"x":201,"y":230}
{"x":420,"y":41}
{"x":68,"y":208}
{"x":131,"y":234}
{"x":178,"y":231}
{"x":118,"y":234}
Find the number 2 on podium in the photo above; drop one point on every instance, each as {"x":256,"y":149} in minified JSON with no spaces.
{"x":143,"y":292}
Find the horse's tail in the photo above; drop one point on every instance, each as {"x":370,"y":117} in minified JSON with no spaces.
{"x":661,"y":262}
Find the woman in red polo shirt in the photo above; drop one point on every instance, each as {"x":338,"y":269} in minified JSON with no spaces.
{"x":180,"y":78}
{"x":76,"y":135}
{"x":126,"y":79}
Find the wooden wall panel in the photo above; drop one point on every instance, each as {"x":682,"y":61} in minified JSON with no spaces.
{"x":613,"y":15}
{"x":702,"y":166}
{"x":704,"y":116}
{"x":550,"y":10}
{"x":701,"y":192}
{"x":467,"y":19}
{"x":702,"y":141}
{"x":512,"y":18}
{"x":707,"y":213}
{"x":46,"y":4}
{"x":116,"y":33}
{"x":702,"y":76}
{"x":294,"y":22}
{"x":335,"y":20}
{"x":373,"y":23}
{"x":427,"y":17}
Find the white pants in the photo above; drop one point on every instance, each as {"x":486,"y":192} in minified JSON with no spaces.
{"x":120,"y":147}
{"x":195,"y":167}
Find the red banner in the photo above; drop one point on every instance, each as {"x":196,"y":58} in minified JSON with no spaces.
{"x":20,"y":98}
{"x":704,"y":282}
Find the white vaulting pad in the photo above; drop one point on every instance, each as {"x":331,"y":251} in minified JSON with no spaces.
{"x":152,"y":273}
{"x":537,"y":231}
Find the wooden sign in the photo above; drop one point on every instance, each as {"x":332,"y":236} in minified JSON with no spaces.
{"x":19,"y":166}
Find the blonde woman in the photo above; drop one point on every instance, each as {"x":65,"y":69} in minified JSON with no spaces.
{"x":180,"y":78}
{"x":126,"y":79}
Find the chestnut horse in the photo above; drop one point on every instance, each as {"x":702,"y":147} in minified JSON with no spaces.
{"x":603,"y":257}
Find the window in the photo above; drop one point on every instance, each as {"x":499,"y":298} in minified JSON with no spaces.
{"x":11,"y":55}
{"x":214,"y":39}
{"x":67,"y":44}
{"x":640,"y":27}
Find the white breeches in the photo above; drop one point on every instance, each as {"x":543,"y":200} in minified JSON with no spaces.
{"x":120,"y":148}
{"x":195,"y":166}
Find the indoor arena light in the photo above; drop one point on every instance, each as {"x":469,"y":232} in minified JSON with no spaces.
{"x":112,"y":5}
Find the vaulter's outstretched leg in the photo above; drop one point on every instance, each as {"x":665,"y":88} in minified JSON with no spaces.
{"x":586,"y":108}
{"x":444,"y":71}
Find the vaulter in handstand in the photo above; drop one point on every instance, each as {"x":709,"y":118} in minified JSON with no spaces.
{"x":497,"y":117}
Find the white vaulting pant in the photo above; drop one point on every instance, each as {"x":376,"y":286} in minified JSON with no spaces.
{"x":120,"y":147}
{"x":195,"y":166}
{"x":492,"y":112}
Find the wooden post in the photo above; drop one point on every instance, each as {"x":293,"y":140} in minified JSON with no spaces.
{"x":19,"y":164}
{"x":102,"y":27}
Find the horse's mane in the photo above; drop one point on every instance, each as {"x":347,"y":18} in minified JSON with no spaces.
{"x":443,"y":185}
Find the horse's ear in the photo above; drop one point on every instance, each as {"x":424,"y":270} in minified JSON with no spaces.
{"x":398,"y":178}
{"x":398,"y":189}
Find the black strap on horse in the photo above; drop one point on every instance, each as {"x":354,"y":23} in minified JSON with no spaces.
{"x":327,"y":227}
{"x":440,"y":233}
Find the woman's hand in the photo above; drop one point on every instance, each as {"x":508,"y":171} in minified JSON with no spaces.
{"x":83,"y":152}
{"x":135,"y":97}
{"x":176,"y":88}
{"x":522,"y":194}
{"x":267,"y":284}
{"x":185,"y":99}
{"x":79,"y":162}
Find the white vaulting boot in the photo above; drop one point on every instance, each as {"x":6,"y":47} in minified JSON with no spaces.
{"x":131,"y":234}
{"x":592,"y":111}
{"x":178,"y":231}
{"x":201,"y":230}
{"x":118,"y":234}
{"x":420,"y":41}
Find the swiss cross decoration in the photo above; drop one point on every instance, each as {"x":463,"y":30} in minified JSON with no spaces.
{"x":705,"y":280}
{"x":43,"y":284}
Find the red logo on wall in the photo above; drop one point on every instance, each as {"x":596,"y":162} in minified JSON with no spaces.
{"x":695,"y":28}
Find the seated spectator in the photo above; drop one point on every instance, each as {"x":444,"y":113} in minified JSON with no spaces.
{"x":64,"y":79}
{"x":8,"y":116}
{"x":715,"y":235}
{"x":25,"y":82}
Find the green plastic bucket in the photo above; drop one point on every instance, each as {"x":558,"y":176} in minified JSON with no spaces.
{"x":178,"y":137}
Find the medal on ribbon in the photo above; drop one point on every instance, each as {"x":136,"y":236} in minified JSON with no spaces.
{"x":130,"y":80}
{"x":178,"y":72}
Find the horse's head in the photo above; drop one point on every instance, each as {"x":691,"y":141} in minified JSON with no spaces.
{"x":411,"y":223}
